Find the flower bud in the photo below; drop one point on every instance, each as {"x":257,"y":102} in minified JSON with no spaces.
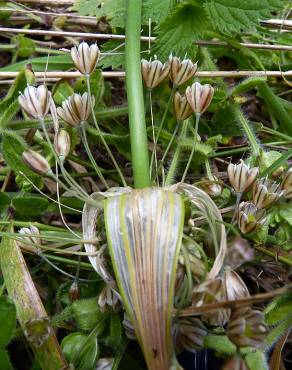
{"x":238,"y":252}
{"x":189,"y":335}
{"x":36,"y":162}
{"x":129,"y":328}
{"x":234,"y":286}
{"x":212,"y":186}
{"x":104,"y":363}
{"x":235,"y":363}
{"x":85,"y":57}
{"x":211,"y":291}
{"x":265,"y":192}
{"x":108,"y":299}
{"x":199,"y":97}
{"x":74,"y":292}
{"x":250,"y":218}
{"x":287,"y":184}
{"x":180,"y":72}
{"x":76,"y":109}
{"x":277,"y":173}
{"x":182,"y":109}
{"x":154,"y":72}
{"x":246,"y":328}
{"x":241,"y":177}
{"x":36,"y":101}
{"x":62,"y":143}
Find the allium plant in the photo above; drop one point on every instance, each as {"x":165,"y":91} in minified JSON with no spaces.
{"x":159,"y":243}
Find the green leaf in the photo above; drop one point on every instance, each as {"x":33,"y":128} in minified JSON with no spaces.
{"x":62,"y":91}
{"x":177,"y":33}
{"x":58,"y":62}
{"x":25,"y":45}
{"x":256,"y":361}
{"x":30,"y":205}
{"x":278,"y":309}
{"x":80,"y":349}
{"x":5,"y":360}
{"x":4,"y":201}
{"x":114,"y":340}
{"x":7,"y":321}
{"x":86,"y":7}
{"x":96,"y":85}
{"x":246,"y":85}
{"x":235,"y":16}
{"x":87,"y":314}
{"x":286,"y":212}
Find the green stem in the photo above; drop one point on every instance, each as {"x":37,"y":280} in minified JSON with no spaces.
{"x":255,"y":148}
{"x":172,"y":169}
{"x":168,"y":147}
{"x":276,"y":107}
{"x":161,"y":126}
{"x":198,"y":115}
{"x":138,"y":133}
{"x":286,"y":260}
{"x":100,"y":133}
{"x":90,"y":156}
{"x":208,"y":169}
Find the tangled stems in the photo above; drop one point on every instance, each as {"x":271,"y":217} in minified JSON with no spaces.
{"x":138,"y":133}
{"x":90,"y":156}
{"x":198,"y":115}
{"x":100,"y":133}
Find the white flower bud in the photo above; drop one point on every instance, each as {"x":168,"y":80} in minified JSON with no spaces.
{"x":85,"y":57}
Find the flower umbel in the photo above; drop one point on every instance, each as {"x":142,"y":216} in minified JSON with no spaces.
{"x":182,"y":109}
{"x":199,"y":96}
{"x":265,"y":192}
{"x":180,"y":72}
{"x":250,"y":218}
{"x":154,"y":72}
{"x":36,"y":101}
{"x":76,"y":109}
{"x":85,"y":57}
{"x":241,"y":176}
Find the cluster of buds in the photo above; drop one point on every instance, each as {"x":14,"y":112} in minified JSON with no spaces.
{"x":189,"y":335}
{"x":85,"y":57}
{"x":252,"y":215}
{"x":76,"y":109}
{"x":287,"y":184}
{"x":36,"y":101}
{"x":246,"y":328}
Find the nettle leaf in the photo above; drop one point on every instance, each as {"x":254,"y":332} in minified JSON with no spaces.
{"x":234,"y":16}
{"x":176,"y":34}
{"x":86,"y":7}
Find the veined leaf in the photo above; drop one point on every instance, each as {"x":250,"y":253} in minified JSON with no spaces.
{"x":144,"y":230}
{"x":236,"y":16}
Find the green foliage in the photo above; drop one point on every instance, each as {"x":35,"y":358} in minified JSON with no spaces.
{"x":62,"y":91}
{"x":7,"y":320}
{"x":219,"y":343}
{"x":176,"y":34}
{"x":86,"y":313}
{"x":80,"y":350}
{"x":25,"y":46}
{"x":235,"y":16}
{"x":30,"y":205}
{"x":5,"y":360}
{"x":256,"y":360}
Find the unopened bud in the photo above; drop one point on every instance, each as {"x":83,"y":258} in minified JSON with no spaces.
{"x":180,"y":72}
{"x":36,"y":162}
{"x":250,"y":218}
{"x":189,"y":335}
{"x":265,"y":192}
{"x":154,"y":72}
{"x":108,"y":299}
{"x":241,"y":176}
{"x":199,"y":97}
{"x":30,"y":236}
{"x":129,"y":327}
{"x":238,"y":252}
{"x":76,"y":109}
{"x":74,"y":292}
{"x":234,"y":286}
{"x":212,"y":186}
{"x":182,"y":109}
{"x":85,"y":57}
{"x":36,"y":101}
{"x":62,"y":144}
